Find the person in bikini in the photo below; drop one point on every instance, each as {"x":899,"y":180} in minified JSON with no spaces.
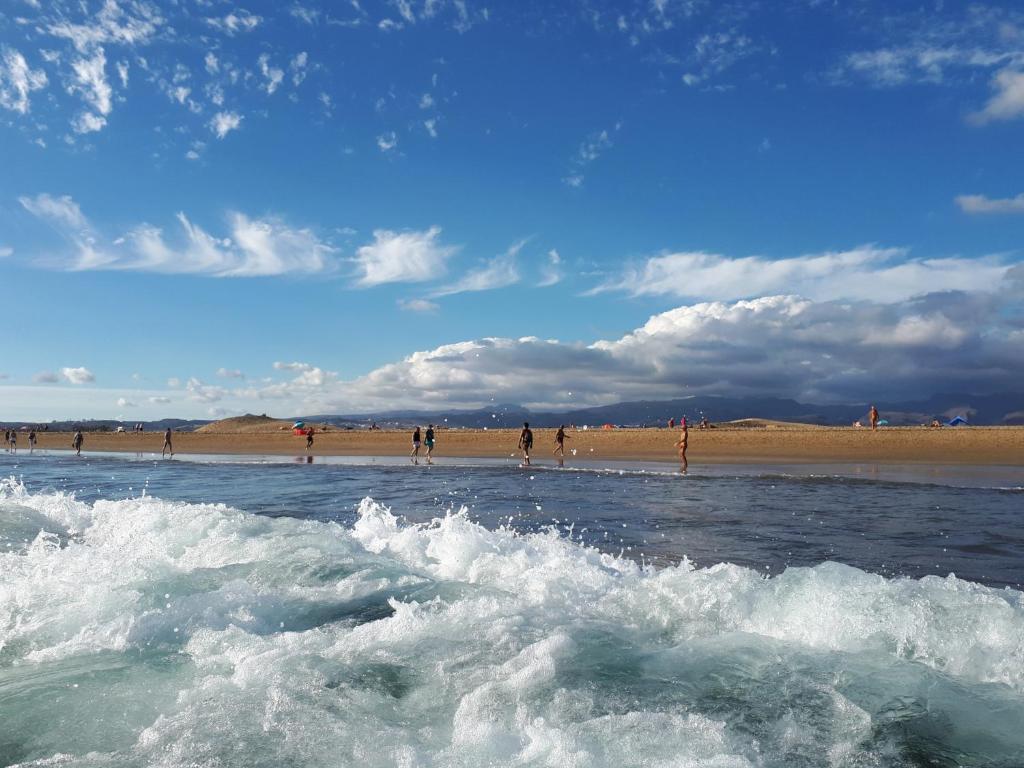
{"x":414,"y":454}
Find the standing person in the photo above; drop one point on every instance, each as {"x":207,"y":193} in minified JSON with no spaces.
{"x":873,"y":417}
{"x":76,"y":442}
{"x":684,"y":437}
{"x":14,"y":441}
{"x":560,"y":441}
{"x":414,"y":454}
{"x":429,"y":442}
{"x":167,"y":444}
{"x":31,"y":441}
{"x":526,"y":442}
{"x":309,"y":439}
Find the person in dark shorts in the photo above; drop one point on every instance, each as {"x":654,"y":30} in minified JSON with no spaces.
{"x":31,"y":441}
{"x":309,"y":439}
{"x":14,"y":441}
{"x":167,"y":444}
{"x":429,"y":442}
{"x":414,"y":454}
{"x":76,"y":442}
{"x":526,"y":442}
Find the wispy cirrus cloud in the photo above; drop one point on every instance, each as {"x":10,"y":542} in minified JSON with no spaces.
{"x":402,"y":257}
{"x":499,"y":272}
{"x":235,"y":22}
{"x":595,"y":145}
{"x":868,"y":272}
{"x":983,"y":204}
{"x":252,"y":248}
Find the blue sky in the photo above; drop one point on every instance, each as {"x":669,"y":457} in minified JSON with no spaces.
{"x":211,"y":207}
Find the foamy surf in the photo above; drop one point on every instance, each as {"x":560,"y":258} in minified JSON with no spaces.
{"x":149,"y":632}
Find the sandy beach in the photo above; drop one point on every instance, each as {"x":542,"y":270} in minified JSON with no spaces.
{"x":974,"y":445}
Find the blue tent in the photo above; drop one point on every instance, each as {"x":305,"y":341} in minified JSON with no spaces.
{"x":956,"y":421}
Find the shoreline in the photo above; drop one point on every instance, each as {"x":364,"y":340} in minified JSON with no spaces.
{"x":1003,"y":446}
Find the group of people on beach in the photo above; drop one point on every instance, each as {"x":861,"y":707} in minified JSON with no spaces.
{"x":427,"y":442}
{"x":11,"y":440}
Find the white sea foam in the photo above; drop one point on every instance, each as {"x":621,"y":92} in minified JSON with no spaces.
{"x":187,"y":634}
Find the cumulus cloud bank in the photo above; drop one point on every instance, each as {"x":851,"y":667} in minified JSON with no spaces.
{"x":783,"y":345}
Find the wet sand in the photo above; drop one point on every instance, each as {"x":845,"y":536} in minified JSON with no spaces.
{"x":903,"y":445}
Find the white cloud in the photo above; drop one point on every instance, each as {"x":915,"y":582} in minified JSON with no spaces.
{"x":123,"y":402}
{"x":302,"y":367}
{"x":272,"y":76}
{"x":87,"y":122}
{"x":867,"y":272}
{"x":402,"y":257}
{"x":90,"y":81}
{"x":224,"y":123}
{"x":62,"y":210}
{"x":46,"y":377}
{"x":77,"y":375}
{"x":771,"y":346}
{"x":499,"y":272}
{"x":6,"y":251}
{"x":551,"y":271}
{"x":255,"y":247}
{"x":1008,"y":101}
{"x":112,"y":24}
{"x":426,"y":101}
{"x":203,"y":393}
{"x":387,"y":141}
{"x":298,"y":66}
{"x":589,"y":150}
{"x":18,"y":80}
{"x":983,"y":204}
{"x":431,"y":126}
{"x":417,"y":305}
{"x":227,"y":373}
{"x":306,"y":15}
{"x":235,"y":22}
{"x":159,"y":400}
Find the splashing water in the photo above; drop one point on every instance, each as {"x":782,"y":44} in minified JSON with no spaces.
{"x":151,"y":632}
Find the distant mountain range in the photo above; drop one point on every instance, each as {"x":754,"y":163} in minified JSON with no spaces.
{"x":999,"y":409}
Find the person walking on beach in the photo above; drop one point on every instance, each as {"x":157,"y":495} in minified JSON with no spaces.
{"x":560,"y":441}
{"x":873,"y":417}
{"x":309,"y":439}
{"x":167,"y":444}
{"x":526,"y":442}
{"x":31,"y":441}
{"x":429,"y":442}
{"x":14,"y":441}
{"x":684,"y":437}
{"x":76,"y":442}
{"x":414,"y":454}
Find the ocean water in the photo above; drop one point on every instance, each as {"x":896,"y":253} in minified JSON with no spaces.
{"x":361,"y":613}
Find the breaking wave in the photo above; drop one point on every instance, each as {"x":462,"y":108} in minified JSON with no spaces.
{"x":155,"y":633}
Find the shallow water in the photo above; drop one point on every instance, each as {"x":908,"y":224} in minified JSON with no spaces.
{"x":211,"y":613}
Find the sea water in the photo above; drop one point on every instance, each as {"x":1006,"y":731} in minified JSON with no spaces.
{"x":205,"y":613}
